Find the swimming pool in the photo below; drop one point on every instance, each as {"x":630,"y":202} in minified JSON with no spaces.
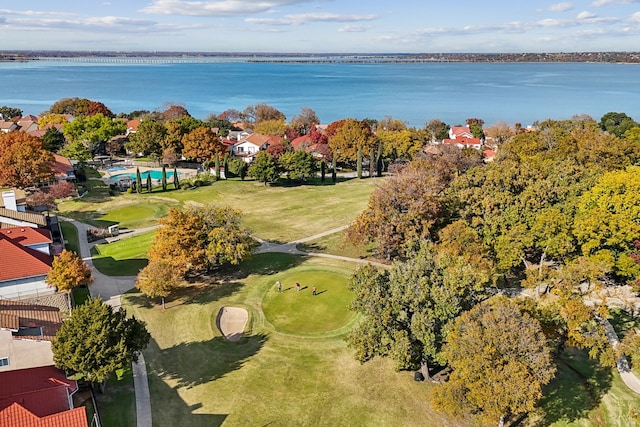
{"x":155,"y":174}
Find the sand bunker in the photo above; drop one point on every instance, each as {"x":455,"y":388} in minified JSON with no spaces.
{"x":231,"y":322}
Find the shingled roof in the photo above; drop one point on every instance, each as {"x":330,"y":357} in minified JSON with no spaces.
{"x":15,"y":315}
{"x":34,"y":218}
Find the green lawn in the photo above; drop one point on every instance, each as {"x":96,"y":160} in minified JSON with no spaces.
{"x":335,"y":244}
{"x":302,"y":313}
{"x":125,"y":257}
{"x":279,"y":213}
{"x":270,"y":377}
{"x":117,"y":405}
{"x":70,"y":234}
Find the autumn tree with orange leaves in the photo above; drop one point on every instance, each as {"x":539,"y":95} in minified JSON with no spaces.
{"x":201,"y":238}
{"x":23,"y":160}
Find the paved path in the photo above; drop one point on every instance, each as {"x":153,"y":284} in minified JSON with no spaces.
{"x":143,"y":398}
{"x":628,"y":377}
{"x":109,"y":288}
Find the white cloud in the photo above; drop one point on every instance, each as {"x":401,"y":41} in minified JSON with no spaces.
{"x":305,"y":18}
{"x":635,"y":18}
{"x":354,"y":28}
{"x":560,"y":7}
{"x":586,"y":15}
{"x":599,"y":3}
{"x":215,"y":8}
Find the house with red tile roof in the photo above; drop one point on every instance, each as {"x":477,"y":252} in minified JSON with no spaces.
{"x":26,"y":332}
{"x":7,"y":126}
{"x":464,"y":142}
{"x":39,"y":397}
{"x":62,"y":168}
{"x":25,"y":262}
{"x":456,"y":132}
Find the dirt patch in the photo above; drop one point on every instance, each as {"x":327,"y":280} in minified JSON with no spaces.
{"x":231,"y":322}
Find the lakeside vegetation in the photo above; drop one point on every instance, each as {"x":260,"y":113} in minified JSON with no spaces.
{"x":602,"y":56}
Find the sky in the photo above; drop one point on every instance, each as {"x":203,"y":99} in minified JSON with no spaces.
{"x":322,"y":26}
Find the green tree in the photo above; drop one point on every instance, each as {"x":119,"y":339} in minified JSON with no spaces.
{"x":76,"y":150}
{"x":500,"y":362}
{"x":149,"y":186}
{"x":405,"y":310}
{"x":148,"y":138}
{"x":93,"y":131}
{"x":238,"y":167}
{"x":138,"y":181}
{"x":298,"y":165}
{"x":53,"y":140}
{"x":8,"y":113}
{"x":164,"y":178}
{"x":264,"y":168}
{"x":96,"y":341}
{"x":617,"y":123}
{"x":176,"y":180}
{"x":608,"y":221}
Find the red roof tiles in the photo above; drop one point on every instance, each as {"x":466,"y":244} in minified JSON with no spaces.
{"x":17,"y":416}
{"x":27,"y":236}
{"x":18,"y":261}
{"x":28,"y":396}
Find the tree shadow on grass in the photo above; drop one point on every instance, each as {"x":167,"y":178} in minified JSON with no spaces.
{"x":169,"y":409}
{"x":194,"y":363}
{"x":124,"y":267}
{"x":578,"y":388}
{"x":263,"y":264}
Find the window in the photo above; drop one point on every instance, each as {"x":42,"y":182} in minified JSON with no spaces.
{"x":4,"y":361}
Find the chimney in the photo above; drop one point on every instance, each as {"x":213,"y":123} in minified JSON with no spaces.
{"x":9,"y":199}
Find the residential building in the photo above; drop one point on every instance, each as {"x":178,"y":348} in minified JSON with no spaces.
{"x":25,"y":262}
{"x":26,"y":333}
{"x":39,"y":397}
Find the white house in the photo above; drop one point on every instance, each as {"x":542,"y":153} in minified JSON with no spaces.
{"x":247,"y":147}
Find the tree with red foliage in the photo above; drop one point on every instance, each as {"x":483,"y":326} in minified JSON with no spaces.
{"x":62,"y":189}
{"x":96,"y":107}
{"x":174,"y":112}
{"x":318,"y":137}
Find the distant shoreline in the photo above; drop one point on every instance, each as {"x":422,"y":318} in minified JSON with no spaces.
{"x":345,"y":58}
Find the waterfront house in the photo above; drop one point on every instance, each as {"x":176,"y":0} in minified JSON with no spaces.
{"x":464,"y":142}
{"x":456,"y":132}
{"x":247,"y":147}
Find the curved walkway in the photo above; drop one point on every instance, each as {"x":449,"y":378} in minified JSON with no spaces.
{"x":109,"y":288}
{"x":628,"y":377}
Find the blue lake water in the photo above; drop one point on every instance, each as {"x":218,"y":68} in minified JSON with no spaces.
{"x":414,"y":93}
